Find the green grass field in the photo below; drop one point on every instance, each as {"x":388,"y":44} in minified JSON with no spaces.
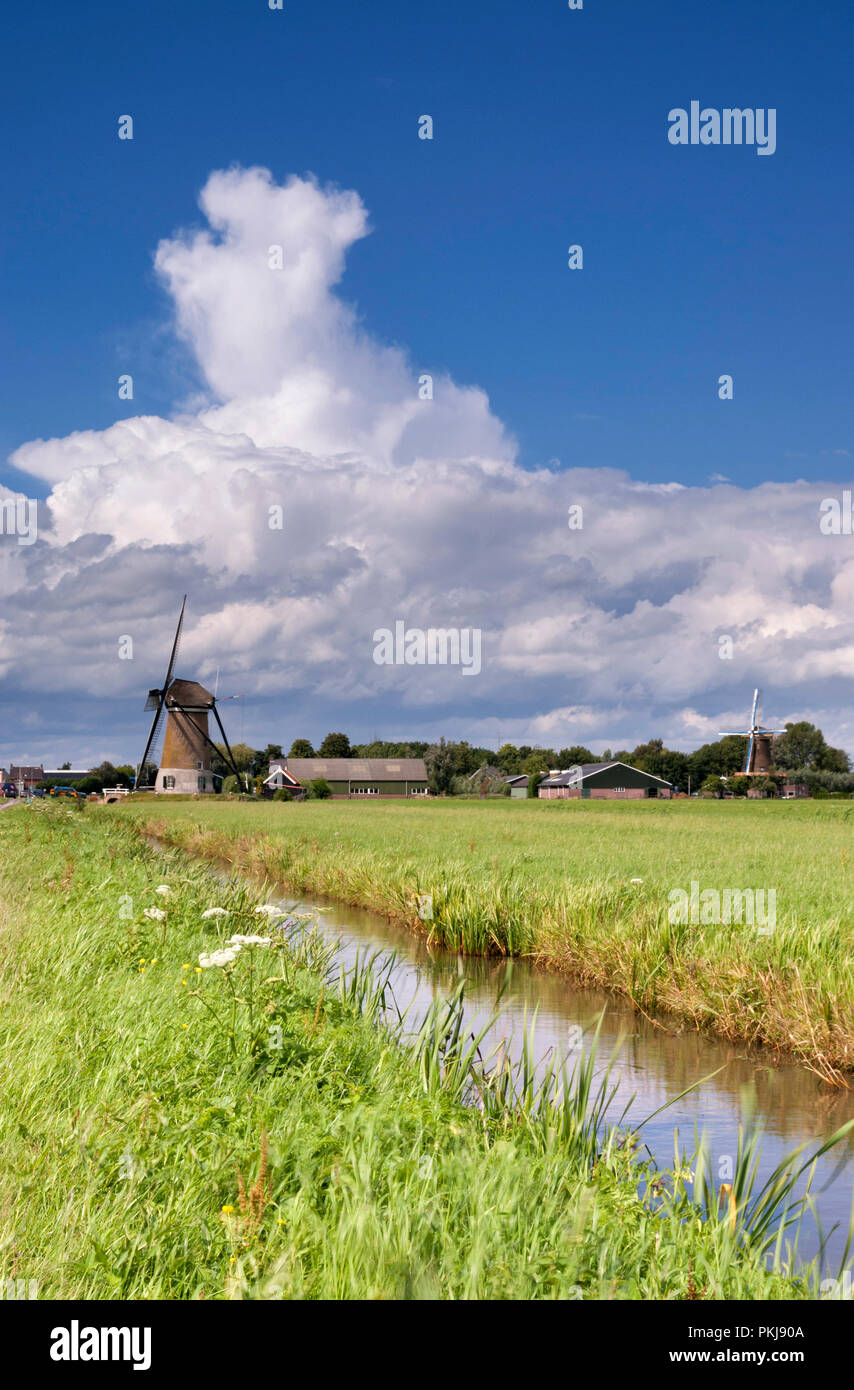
{"x":177,"y":1129}
{"x":554,"y":880}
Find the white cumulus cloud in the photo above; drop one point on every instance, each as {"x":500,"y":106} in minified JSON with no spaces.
{"x":393,"y":506}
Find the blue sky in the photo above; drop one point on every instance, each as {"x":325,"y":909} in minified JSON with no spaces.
{"x":550,"y":129}
{"x":554,"y":386}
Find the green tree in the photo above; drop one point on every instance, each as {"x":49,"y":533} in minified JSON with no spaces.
{"x":335,"y":746}
{"x":723,"y":757}
{"x":654,"y":758}
{"x":301,"y":748}
{"x":646,"y":755}
{"x":539,"y":761}
{"x":507,"y":758}
{"x":536,"y":765}
{"x":243,"y":756}
{"x":803,"y":745}
{"x":273,"y":750}
{"x":90,"y":784}
{"x":673,"y":767}
{"x":109,"y":776}
{"x":379,"y":748}
{"x":441,"y":769}
{"x":319,"y":789}
{"x":574,"y":756}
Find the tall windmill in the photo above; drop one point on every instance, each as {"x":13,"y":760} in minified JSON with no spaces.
{"x":757,"y":762}
{"x":185,"y":764}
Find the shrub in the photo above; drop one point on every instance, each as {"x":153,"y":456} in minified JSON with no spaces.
{"x":319,"y":789}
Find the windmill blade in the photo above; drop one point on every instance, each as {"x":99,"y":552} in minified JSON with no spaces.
{"x":155,"y":725}
{"x":730,"y":733}
{"x":749,"y":752}
{"x":756,"y":697}
{"x":175,"y":645}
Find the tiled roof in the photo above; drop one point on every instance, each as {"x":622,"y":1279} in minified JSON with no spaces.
{"x":356,"y":769}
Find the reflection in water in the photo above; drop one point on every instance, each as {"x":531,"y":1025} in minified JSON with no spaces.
{"x":652,"y":1062}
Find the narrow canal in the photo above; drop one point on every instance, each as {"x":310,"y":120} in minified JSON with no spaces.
{"x":652,"y":1062}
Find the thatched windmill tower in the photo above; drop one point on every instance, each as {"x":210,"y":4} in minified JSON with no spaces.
{"x":757,"y":761}
{"x":185,"y":765}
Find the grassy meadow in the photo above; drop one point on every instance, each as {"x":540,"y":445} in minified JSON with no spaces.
{"x":555,"y":880}
{"x":185,"y":1119}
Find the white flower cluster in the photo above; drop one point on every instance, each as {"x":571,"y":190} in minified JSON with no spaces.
{"x":229,"y":952}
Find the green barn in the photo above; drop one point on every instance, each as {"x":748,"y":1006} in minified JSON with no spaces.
{"x":354,"y":779}
{"x":603,"y":781}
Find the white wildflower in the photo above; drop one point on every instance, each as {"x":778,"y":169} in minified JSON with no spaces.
{"x":238,"y":940}
{"x":215,"y":912}
{"x":635,"y":880}
{"x":271,"y":910}
{"x":224,"y":957}
{"x":154,"y":913}
{"x":163,"y":890}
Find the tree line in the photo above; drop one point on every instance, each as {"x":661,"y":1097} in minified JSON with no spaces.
{"x":801,"y":753}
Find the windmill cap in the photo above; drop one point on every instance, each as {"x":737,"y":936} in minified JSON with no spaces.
{"x":189,"y":695}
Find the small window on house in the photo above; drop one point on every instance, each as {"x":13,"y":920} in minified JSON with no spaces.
{"x":168,"y":783}
{"x":199,"y":765}
{"x":202,"y":783}
{"x":619,"y":789}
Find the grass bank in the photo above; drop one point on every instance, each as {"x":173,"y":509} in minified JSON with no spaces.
{"x":183,"y":1124}
{"x":584,"y":887}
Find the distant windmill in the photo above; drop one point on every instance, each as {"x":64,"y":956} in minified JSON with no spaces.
{"x":757,"y":762}
{"x":185,"y":765}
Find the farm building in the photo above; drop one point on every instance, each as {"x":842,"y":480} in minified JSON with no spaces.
{"x":351,"y":778}
{"x":25,"y":778}
{"x":793,"y":790}
{"x":604,"y":781}
{"x":518,"y":784}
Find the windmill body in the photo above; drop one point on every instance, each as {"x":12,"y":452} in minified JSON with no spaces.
{"x":185,"y":764}
{"x":757,"y":760}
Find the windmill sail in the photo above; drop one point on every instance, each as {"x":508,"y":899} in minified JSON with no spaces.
{"x":757,"y":762}
{"x":157,"y":697}
{"x":185,"y":764}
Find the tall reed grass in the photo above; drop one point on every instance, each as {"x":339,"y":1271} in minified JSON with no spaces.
{"x":273,"y":1127}
{"x":791,"y":990}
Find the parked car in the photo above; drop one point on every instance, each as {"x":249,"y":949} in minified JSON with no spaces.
{"x":67,"y":793}
{"x":9,"y":789}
